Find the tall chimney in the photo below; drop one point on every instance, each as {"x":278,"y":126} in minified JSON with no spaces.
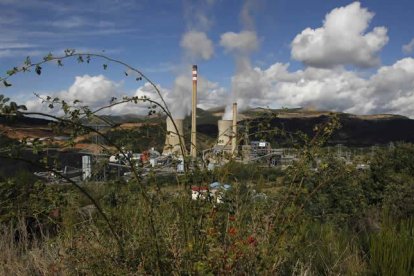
{"x":234,"y":138}
{"x":193,"y":147}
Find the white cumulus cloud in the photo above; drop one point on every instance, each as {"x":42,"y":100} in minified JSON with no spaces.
{"x":409,"y":47}
{"x":198,"y":45}
{"x":243,"y":42}
{"x":389,"y":90}
{"x":342,"y":40}
{"x":92,"y":91}
{"x":97,"y":91}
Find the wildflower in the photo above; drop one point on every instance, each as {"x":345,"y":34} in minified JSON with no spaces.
{"x":232,"y":231}
{"x":252,"y":241}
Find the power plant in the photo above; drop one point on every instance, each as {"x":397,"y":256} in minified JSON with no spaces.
{"x":179,"y":157}
{"x":226,"y":146}
{"x":174,"y":155}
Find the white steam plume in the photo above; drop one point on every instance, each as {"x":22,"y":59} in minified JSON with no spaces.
{"x":196,"y":46}
{"x":241,"y":45}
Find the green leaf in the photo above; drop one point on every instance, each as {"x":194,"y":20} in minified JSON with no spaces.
{"x":69,"y":52}
{"x":13,"y":106}
{"x":6,"y":84}
{"x":27,"y":61}
{"x":12,"y":71}
{"x":48,"y":57}
{"x":38,"y":70}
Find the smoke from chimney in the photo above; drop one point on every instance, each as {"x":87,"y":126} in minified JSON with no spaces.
{"x":196,"y":46}
{"x":241,"y":45}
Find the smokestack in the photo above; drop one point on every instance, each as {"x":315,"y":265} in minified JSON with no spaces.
{"x":193,"y":150}
{"x":224,"y":132}
{"x":172,"y":139}
{"x":234,"y":138}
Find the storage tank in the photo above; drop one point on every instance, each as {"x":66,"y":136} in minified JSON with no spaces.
{"x":172,"y":138}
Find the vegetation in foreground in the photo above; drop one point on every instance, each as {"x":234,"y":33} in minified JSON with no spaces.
{"x":335,"y":220}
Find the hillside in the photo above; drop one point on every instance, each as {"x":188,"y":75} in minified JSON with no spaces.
{"x":356,"y":130}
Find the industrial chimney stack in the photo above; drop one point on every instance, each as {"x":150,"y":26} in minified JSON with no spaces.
{"x":234,"y":137}
{"x":193,"y":150}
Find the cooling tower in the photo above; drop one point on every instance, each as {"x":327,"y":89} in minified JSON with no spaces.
{"x":172,"y":139}
{"x":224,"y":132}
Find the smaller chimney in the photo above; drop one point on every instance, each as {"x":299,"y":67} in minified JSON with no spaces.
{"x":234,"y":128}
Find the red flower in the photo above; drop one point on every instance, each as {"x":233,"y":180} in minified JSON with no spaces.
{"x":232,"y":218}
{"x":251,"y":240}
{"x":232,"y":231}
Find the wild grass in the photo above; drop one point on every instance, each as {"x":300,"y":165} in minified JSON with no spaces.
{"x":310,"y":223}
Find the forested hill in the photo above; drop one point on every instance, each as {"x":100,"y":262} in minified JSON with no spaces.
{"x":23,"y":121}
{"x":355,"y":131}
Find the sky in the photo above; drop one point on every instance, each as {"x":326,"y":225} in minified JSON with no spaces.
{"x":347,"y":56}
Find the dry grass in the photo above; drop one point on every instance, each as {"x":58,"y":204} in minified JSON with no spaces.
{"x":27,"y":256}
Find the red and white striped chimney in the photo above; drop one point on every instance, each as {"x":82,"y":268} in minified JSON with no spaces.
{"x":193,"y":147}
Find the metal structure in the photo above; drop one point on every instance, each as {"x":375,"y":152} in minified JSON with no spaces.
{"x":86,"y":167}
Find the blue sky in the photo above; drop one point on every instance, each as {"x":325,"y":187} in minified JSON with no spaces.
{"x":245,"y":51}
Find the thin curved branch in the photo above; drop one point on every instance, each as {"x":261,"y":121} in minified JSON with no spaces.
{"x":50,"y":57}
